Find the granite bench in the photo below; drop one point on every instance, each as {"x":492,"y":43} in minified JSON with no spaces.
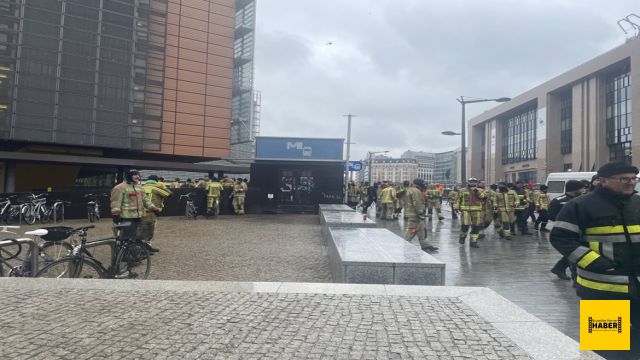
{"x":342,"y":219}
{"x":329,"y":208}
{"x":378,"y":256}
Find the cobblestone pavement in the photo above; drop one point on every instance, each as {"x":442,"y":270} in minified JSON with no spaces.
{"x":290,"y":248}
{"x":121,"y":324}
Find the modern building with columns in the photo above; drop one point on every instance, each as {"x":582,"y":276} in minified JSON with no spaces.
{"x":574,"y":122}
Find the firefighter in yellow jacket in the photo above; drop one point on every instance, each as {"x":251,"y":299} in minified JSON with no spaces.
{"x":155,"y":193}
{"x":470,"y":205}
{"x":387,"y":198}
{"x":505,"y":204}
{"x":414,"y":213}
{"x":434,"y":201}
{"x":542,"y":207}
{"x":214,"y":188}
{"x":239,"y":191}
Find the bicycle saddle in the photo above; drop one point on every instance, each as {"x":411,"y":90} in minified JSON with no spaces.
{"x":37,"y":232}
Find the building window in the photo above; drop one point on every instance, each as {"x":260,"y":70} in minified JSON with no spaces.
{"x":567,"y":167}
{"x":566,"y":112}
{"x":519,"y":137}
{"x":618,"y":112}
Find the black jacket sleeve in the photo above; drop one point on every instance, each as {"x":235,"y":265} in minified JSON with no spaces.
{"x":554,"y":209}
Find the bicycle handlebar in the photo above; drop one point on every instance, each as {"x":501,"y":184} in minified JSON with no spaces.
{"x":82,"y":228}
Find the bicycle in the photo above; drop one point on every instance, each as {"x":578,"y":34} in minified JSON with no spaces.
{"x":6,"y":209}
{"x":53,"y":249}
{"x":35,"y":209}
{"x":190,"y":210}
{"x":131,"y":259}
{"x":93,"y":207}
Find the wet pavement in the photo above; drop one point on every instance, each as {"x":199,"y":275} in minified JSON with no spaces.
{"x":518,"y":269}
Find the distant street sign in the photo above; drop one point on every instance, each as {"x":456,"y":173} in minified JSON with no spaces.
{"x":354,"y":165}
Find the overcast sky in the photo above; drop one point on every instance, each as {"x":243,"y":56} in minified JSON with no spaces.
{"x":399,"y":65}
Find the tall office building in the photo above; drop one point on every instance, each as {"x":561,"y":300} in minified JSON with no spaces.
{"x":121,"y":79}
{"x":577,"y":121}
{"x":145,"y":75}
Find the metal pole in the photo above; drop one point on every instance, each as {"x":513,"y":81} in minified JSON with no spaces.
{"x":370,"y":168}
{"x":346,"y":176}
{"x":463,"y":155}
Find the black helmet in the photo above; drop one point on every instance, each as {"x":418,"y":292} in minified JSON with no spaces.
{"x":129,"y":174}
{"x":406,"y":183}
{"x":420,"y":183}
{"x":153,"y":177}
{"x":493,"y":187}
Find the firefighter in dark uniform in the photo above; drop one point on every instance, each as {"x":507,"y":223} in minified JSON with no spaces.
{"x":573,"y":189}
{"x":600,"y":233}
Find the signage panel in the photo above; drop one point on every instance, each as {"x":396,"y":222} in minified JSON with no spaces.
{"x":299,"y":148}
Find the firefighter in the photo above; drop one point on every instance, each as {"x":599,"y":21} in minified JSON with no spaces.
{"x":214,"y":188}
{"x":522,"y":209}
{"x":505,"y":204}
{"x":414,"y":212}
{"x":573,"y":189}
{"x":352,"y":194}
{"x":156,"y":193}
{"x":470,"y":204}
{"x":434,"y":201}
{"x":453,"y":200}
{"x":401,"y":193}
{"x":387,"y":200}
{"x":542,"y":207}
{"x":487,"y":208}
{"x":598,"y":232}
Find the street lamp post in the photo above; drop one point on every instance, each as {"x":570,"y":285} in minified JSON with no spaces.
{"x":371,"y":153}
{"x":346,"y":176}
{"x":463,"y":156}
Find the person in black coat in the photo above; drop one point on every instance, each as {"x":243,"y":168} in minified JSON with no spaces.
{"x":573,"y":189}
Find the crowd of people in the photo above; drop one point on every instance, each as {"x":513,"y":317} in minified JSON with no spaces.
{"x":139,"y":202}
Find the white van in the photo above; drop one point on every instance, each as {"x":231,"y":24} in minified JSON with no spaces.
{"x":557,"y":181}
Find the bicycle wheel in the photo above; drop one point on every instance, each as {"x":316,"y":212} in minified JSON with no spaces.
{"x":133,"y":262}
{"x":187,"y":212}
{"x":10,"y":251}
{"x":71,"y":267}
{"x":96,"y":213}
{"x":194,"y":213}
{"x":91,"y":215}
{"x":52,"y":251}
{"x":12,"y":216}
{"x":28,"y":215}
{"x":45,"y":215}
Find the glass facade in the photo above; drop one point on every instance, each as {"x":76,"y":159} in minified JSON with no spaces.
{"x":566,"y":113}
{"x":618,"y":115}
{"x":245,"y":102}
{"x":519,"y":136}
{"x":84,"y":72}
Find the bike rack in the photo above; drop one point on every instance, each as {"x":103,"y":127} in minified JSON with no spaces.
{"x":32,"y":246}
